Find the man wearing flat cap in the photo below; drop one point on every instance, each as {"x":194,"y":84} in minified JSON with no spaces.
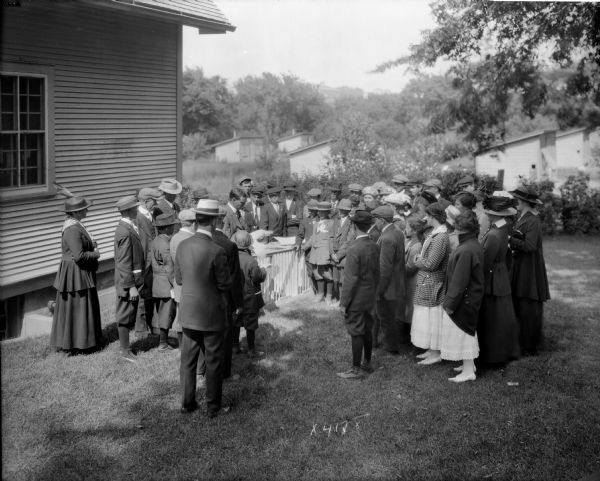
{"x":274,"y":218}
{"x":391,"y":289}
{"x":355,"y":196}
{"x":145,"y":223}
{"x":359,"y":289}
{"x":234,"y":219}
{"x":245,"y":183}
{"x":129,"y":272}
{"x":202,"y":271}
{"x":466,"y":183}
{"x":293,"y":210}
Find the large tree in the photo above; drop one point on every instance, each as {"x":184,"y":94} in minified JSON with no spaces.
{"x":500,"y":49}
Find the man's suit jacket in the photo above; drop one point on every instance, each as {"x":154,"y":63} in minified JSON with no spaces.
{"x":292,"y":225}
{"x":161,"y":263}
{"x":232,"y":223}
{"x":163,"y":207}
{"x":129,"y":259}
{"x":250,"y":218}
{"x":361,"y":276}
{"x":236,"y":295}
{"x":374,"y":233}
{"x":341,"y":239}
{"x":496,"y":261}
{"x":391,"y":264}
{"x":147,"y":231}
{"x":272,"y":220}
{"x":201,"y":269}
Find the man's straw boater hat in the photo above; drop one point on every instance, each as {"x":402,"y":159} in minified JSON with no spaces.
{"x":207,"y":207}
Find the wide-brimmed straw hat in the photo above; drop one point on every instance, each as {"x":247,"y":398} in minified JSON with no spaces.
{"x":75,"y":204}
{"x":500,"y":206}
{"x":208,"y":207}
{"x":170,"y":186}
{"x":527,"y":193}
{"x":127,"y":202}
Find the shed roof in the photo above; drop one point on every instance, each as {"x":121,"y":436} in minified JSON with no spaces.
{"x":572,"y":131}
{"x":520,"y":138}
{"x":235,"y":139}
{"x":203,"y":14}
{"x":292,"y":136}
{"x":310,"y":147}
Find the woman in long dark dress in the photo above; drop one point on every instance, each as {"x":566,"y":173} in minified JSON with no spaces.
{"x":76,"y":322}
{"x":497,"y":330}
{"x":529,"y":280}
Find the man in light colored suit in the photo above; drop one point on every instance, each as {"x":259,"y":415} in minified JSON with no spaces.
{"x":343,"y":233}
{"x":234,"y":219}
{"x":274,"y":220}
{"x":202,"y":270}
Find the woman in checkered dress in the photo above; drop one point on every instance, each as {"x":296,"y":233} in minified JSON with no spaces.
{"x":431,"y":285}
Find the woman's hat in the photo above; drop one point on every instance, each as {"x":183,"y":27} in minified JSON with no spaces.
{"x":398,"y":199}
{"x":527,"y":193}
{"x":74,"y":204}
{"x":436,"y":210}
{"x":500,"y":206}
{"x":163,"y":220}
{"x":323,"y":206}
{"x":380,"y":185}
{"x":208,"y":207}
{"x":370,"y":190}
{"x":312,"y":205}
{"x":127,"y":202}
{"x":451,"y":214}
{"x":314,"y":192}
{"x":170,"y":186}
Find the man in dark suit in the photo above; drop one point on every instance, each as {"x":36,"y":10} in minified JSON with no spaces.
{"x":274,"y":218}
{"x":293,"y":210}
{"x":305,"y":232}
{"x":234,"y":219}
{"x":201,"y":269}
{"x":343,"y":233}
{"x":129,"y":271}
{"x":359,"y":288}
{"x":254,"y":210}
{"x":145,"y":223}
{"x":391,"y":288}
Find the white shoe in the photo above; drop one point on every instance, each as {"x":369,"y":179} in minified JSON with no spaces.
{"x":463,"y":378}
{"x":460,"y":369}
{"x":424,"y":355}
{"x":430,"y":360}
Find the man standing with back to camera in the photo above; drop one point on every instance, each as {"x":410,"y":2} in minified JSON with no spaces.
{"x":201,"y":269}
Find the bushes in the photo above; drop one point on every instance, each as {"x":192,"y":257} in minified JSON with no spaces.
{"x":580,"y":206}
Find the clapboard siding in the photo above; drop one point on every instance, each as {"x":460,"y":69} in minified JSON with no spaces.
{"x":115,"y":120}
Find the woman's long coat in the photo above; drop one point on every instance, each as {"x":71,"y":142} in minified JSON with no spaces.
{"x":432,"y":263}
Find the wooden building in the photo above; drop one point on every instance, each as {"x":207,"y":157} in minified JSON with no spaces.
{"x":312,"y":159}
{"x":90,"y":99}
{"x":531,"y":156}
{"x":245,"y":148}
{"x":294,"y":141}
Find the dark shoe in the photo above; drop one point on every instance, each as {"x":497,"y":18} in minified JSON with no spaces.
{"x":129,"y":357}
{"x":214,"y":413}
{"x":165,"y":347}
{"x":254,"y":354}
{"x":353,"y":373}
{"x":367,"y":367}
{"x":189,"y":409}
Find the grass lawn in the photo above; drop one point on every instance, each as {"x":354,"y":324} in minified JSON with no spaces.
{"x":94,"y":417}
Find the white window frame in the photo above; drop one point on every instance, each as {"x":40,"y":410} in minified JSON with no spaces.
{"x":47,"y":73}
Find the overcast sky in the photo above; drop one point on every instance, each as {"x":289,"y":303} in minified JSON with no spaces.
{"x":333,"y":42}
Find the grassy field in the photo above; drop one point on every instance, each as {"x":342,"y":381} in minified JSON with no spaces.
{"x":93,"y":417}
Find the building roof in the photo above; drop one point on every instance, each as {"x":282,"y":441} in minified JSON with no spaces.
{"x":202,"y":14}
{"x":235,"y":139}
{"x":572,"y":131}
{"x":292,"y":136}
{"x":310,"y":147}
{"x":520,"y":138}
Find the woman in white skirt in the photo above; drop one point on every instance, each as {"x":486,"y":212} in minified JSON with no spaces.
{"x":426,"y":329}
{"x":463,"y":298}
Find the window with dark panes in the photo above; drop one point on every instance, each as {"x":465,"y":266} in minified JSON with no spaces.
{"x":23,"y":131}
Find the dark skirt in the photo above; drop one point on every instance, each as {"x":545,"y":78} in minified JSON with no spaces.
{"x":76,"y":322}
{"x":530,"y":316}
{"x":497,"y":330}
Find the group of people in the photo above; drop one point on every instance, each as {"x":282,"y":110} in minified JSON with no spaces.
{"x":461,"y":278}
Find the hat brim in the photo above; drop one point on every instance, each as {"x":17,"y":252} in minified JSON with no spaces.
{"x":517,"y":195}
{"x":88,"y":204}
{"x":127,"y":207}
{"x":170,"y":223}
{"x":207,"y":212}
{"x":177,"y":190}
{"x":502,"y":213}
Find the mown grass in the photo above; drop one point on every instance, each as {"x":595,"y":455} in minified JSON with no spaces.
{"x":92,"y":417}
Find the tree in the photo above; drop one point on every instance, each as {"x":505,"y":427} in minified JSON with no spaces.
{"x":207,"y":106}
{"x":273,"y":105}
{"x":497,"y":49}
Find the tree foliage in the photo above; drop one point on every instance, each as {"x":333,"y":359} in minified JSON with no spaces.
{"x":497,"y":49}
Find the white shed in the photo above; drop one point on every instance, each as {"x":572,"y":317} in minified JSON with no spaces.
{"x":531,"y":156}
{"x":294,"y":142}
{"x":312,"y":159}
{"x":246,"y":148}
